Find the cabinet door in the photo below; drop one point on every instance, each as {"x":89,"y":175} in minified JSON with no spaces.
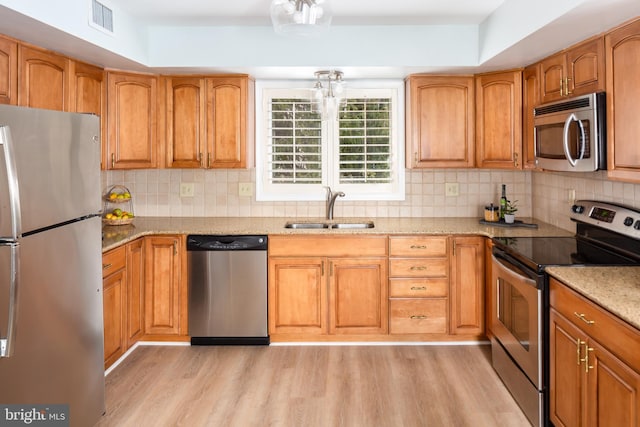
{"x":585,"y":67}
{"x":186,"y":146}
{"x":440,"y":122}
{"x":467,"y":286}
{"x":567,"y":389}
{"x":89,"y":95}
{"x":530,"y":99}
{"x":297,"y":295}
{"x":114,"y":294}
{"x":613,"y":390}
{"x":164,"y":297}
{"x":44,"y":79}
{"x":227,"y":119}
{"x":358,"y":296}
{"x":499,"y":120}
{"x":8,"y":71}
{"x":131,"y":121}
{"x":552,"y":77}
{"x":135,"y":291}
{"x":623,"y":91}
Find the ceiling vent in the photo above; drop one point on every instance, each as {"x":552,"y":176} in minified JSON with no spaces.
{"x":101,"y":16}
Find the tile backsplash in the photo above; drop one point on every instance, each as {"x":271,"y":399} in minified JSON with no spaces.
{"x":543,"y":195}
{"x":551,"y":194}
{"x":157,"y":193}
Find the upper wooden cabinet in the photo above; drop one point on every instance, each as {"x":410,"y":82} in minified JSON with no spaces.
{"x":186,"y":122}
{"x":499,"y":120}
{"x":88,"y":89}
{"x":44,"y":79}
{"x":623,"y":110}
{"x":210,"y":122}
{"x":230,"y":122}
{"x":131,"y":121}
{"x":575,"y":71}
{"x":530,"y":98}
{"x":440,"y":122}
{"x":8,"y":71}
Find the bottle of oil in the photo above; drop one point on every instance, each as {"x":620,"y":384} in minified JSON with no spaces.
{"x":503,"y":201}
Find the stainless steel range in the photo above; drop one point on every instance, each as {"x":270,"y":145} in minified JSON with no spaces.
{"x":606,"y":234}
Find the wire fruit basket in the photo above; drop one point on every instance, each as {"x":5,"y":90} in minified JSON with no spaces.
{"x":118,"y":206}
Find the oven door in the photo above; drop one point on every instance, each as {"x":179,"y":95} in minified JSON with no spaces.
{"x":516,"y":320}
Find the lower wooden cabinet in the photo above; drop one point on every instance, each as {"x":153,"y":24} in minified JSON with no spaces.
{"x":135,"y":291}
{"x":333,"y":291}
{"x":419,"y":285}
{"x":114,"y":297}
{"x":595,"y":364}
{"x":165,"y":290}
{"x":467,"y":286}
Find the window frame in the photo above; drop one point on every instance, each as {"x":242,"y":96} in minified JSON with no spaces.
{"x":266,"y":191}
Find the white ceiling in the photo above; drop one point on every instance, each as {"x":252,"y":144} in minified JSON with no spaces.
{"x":345,"y":12}
{"x":368,"y":38}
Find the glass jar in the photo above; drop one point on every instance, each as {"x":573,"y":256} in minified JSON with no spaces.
{"x":491,"y":213}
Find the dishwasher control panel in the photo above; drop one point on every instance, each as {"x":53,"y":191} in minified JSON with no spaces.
{"x":226,"y":243}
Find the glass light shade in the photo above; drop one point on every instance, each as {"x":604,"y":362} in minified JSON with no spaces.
{"x":300,"y":17}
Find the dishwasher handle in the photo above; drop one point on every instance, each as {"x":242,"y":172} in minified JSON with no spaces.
{"x":226,"y":242}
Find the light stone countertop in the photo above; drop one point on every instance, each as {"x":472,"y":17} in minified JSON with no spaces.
{"x":115,"y":236}
{"x":616,"y":289}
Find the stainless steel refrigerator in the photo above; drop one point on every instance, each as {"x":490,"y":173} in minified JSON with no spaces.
{"x":51,"y":332}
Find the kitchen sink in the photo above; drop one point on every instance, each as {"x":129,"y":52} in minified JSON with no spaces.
{"x":306,"y":225}
{"x":365,"y":224}
{"x":330,"y":224}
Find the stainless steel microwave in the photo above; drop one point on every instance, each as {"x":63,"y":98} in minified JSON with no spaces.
{"x":570,"y":135}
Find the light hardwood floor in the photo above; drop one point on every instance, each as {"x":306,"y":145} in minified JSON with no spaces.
{"x":309,"y":386}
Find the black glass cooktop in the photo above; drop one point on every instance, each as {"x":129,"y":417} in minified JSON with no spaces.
{"x":538,"y":252}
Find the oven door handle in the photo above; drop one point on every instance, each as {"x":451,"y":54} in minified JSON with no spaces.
{"x":517,"y":268}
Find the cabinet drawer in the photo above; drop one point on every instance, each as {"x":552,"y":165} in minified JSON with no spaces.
{"x":113,"y":260}
{"x":418,"y":246}
{"x":418,"y":316}
{"x":418,"y":288}
{"x":419,"y":267}
{"x":618,"y":336}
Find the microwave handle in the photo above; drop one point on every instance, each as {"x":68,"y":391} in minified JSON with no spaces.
{"x":565,"y":140}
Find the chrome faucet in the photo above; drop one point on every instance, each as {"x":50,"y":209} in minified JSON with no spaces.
{"x":331,"y":201}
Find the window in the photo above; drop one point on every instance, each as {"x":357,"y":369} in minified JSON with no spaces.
{"x":358,"y":150}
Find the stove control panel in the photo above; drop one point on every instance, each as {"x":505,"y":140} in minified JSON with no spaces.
{"x":618,"y":218}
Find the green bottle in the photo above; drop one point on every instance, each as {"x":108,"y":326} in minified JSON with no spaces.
{"x":503,"y":201}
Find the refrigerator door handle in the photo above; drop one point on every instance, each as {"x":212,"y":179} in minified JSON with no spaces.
{"x":12,"y":181}
{"x":6,"y":344}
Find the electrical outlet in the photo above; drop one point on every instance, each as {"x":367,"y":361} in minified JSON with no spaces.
{"x":571,"y":195}
{"x":451,"y":189}
{"x":245,"y":189}
{"x":187,"y":189}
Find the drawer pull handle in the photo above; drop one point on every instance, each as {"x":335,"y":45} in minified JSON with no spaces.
{"x":582,"y":317}
{"x":418,"y":246}
{"x":418,"y":288}
{"x":418,"y":317}
{"x":106,"y":266}
{"x":418,"y":268}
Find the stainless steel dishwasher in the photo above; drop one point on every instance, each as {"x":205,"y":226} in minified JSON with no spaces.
{"x":227,"y":289}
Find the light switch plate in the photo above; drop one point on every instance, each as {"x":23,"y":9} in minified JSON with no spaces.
{"x":451,"y":189}
{"x":245,"y":189}
{"x":187,"y":189}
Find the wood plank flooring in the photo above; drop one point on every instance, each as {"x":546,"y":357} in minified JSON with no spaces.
{"x":309,"y":386}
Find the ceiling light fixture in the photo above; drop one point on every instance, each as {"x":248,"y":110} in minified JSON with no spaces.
{"x":300,"y":17}
{"x":328,"y":95}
